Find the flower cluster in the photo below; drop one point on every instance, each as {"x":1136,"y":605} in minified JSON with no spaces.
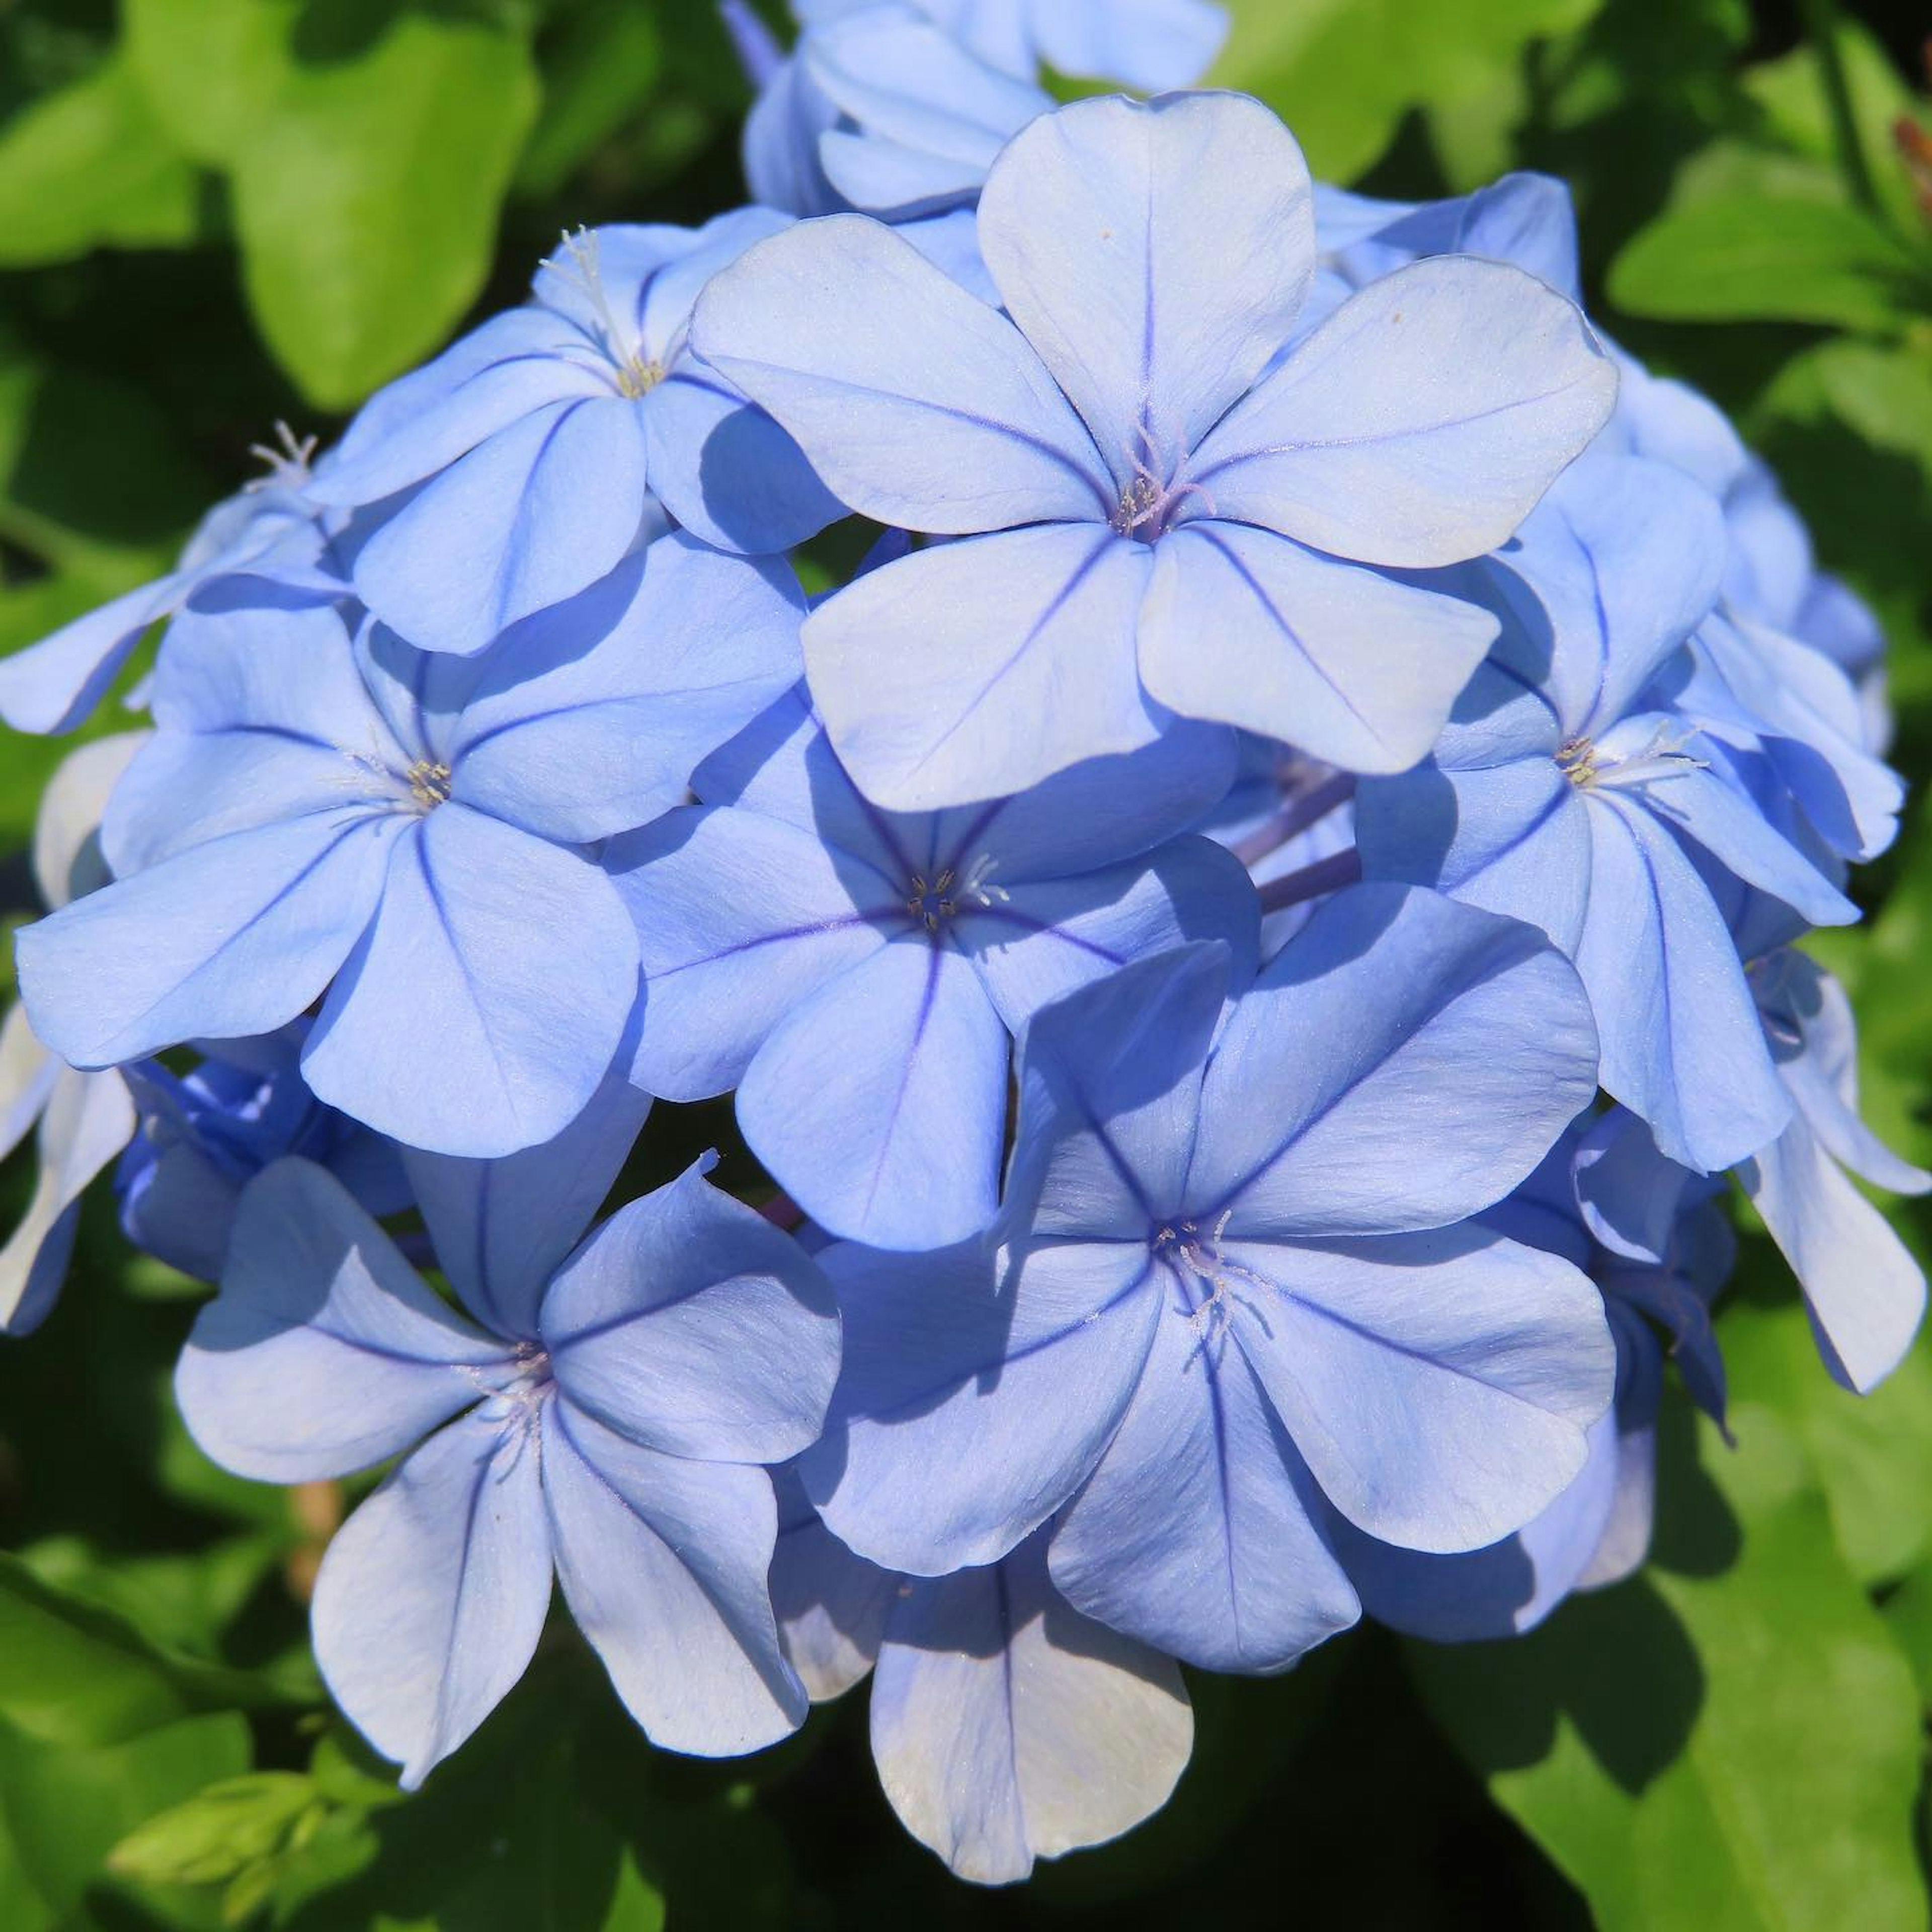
{"x":1249,"y":934}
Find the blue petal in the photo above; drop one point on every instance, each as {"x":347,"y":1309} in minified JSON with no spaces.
{"x":916,"y":404}
{"x":831,"y":1606}
{"x":591,"y":719}
{"x":1097,"y":812}
{"x":690,"y":1324}
{"x":1040,"y":941}
{"x":233,"y":938}
{"x":1007,"y":1727}
{"x":1354,"y":668}
{"x":325,"y":1352}
{"x":1438,"y":1385}
{"x":54,"y":685}
{"x":501,"y":1228}
{"x":1616,"y":569}
{"x":1151,"y":45}
{"x":1417,"y":1059}
{"x":742,"y":919}
{"x":1194,"y":1533}
{"x":1156,"y":255}
{"x":879,"y":1104}
{"x":1110,"y":1096}
{"x":430,"y":1601}
{"x":663,"y":1564}
{"x":1681,"y":1042}
{"x":87,"y":1121}
{"x":727,"y":472}
{"x":974,"y":670}
{"x":971,"y":1409}
{"x":28,"y":1073}
{"x":1395,"y":434}
{"x":1513,"y":839}
{"x":525,"y":955}
{"x":514,"y":365}
{"x":67,"y":860}
{"x":527,"y":519}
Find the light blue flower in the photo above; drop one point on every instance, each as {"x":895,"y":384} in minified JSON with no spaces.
{"x":1865,"y":1293}
{"x":1236,"y":1278}
{"x":81,"y":1121}
{"x":1006,"y":1726}
{"x":602,"y":1419}
{"x":1570,"y":792}
{"x":539,"y":448}
{"x":1655,"y":1239}
{"x":1151,"y":528}
{"x":855,"y":974}
{"x":408,"y":833}
{"x":273,"y":527}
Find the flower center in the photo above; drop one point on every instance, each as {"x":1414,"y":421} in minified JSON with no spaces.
{"x":1150,"y":502}
{"x":288,"y":457}
{"x":941,"y":899}
{"x":515,"y":1400}
{"x":579,"y":265}
{"x":1194,"y":1254}
{"x":638,"y":375}
{"x":1662,"y":756}
{"x":428,"y":783}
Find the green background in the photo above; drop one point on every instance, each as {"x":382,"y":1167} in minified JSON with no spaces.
{"x":214,"y":213}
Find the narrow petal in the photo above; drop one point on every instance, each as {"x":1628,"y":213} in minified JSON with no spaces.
{"x":430,"y":1602}
{"x":1006,"y":1726}
{"x":28,"y":1074}
{"x":690,"y":1324}
{"x":230,"y":939}
{"x":325,"y":1352}
{"x":663,"y":1564}
{"x":917,"y":405}
{"x":1155,"y":254}
{"x":54,"y":685}
{"x":1438,"y":1385}
{"x":524,"y":953}
{"x":1110,"y":1096}
{"x":67,"y":860}
{"x":1247,"y":627}
{"x":971,"y":1409}
{"x":501,"y":1228}
{"x":1419,"y":1059}
{"x":1864,"y":1293}
{"x":880,"y":1104}
{"x":87,"y":1122}
{"x":1420,"y":423}
{"x":1194,"y":1534}
{"x":1681,"y":1042}
{"x":527,"y":519}
{"x":592,"y":718}
{"x":741,"y":919}
{"x":974,"y":670}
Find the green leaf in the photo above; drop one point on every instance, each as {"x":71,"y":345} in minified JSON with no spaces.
{"x":209,"y":70}
{"x":89,"y":166}
{"x":66,"y":1807}
{"x":367,"y":201}
{"x":73,"y":1673}
{"x":220,"y":1832}
{"x":1343,"y":73}
{"x":1728,"y":1743}
{"x":1872,"y":1454}
{"x":1908,"y":1614}
{"x":1790,"y":94}
{"x":1752,"y":237}
{"x":599,"y":72}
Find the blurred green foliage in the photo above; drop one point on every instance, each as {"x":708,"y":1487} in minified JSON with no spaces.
{"x":214,"y":213}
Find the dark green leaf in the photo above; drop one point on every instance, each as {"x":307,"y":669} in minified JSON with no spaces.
{"x":1728,"y":1743}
